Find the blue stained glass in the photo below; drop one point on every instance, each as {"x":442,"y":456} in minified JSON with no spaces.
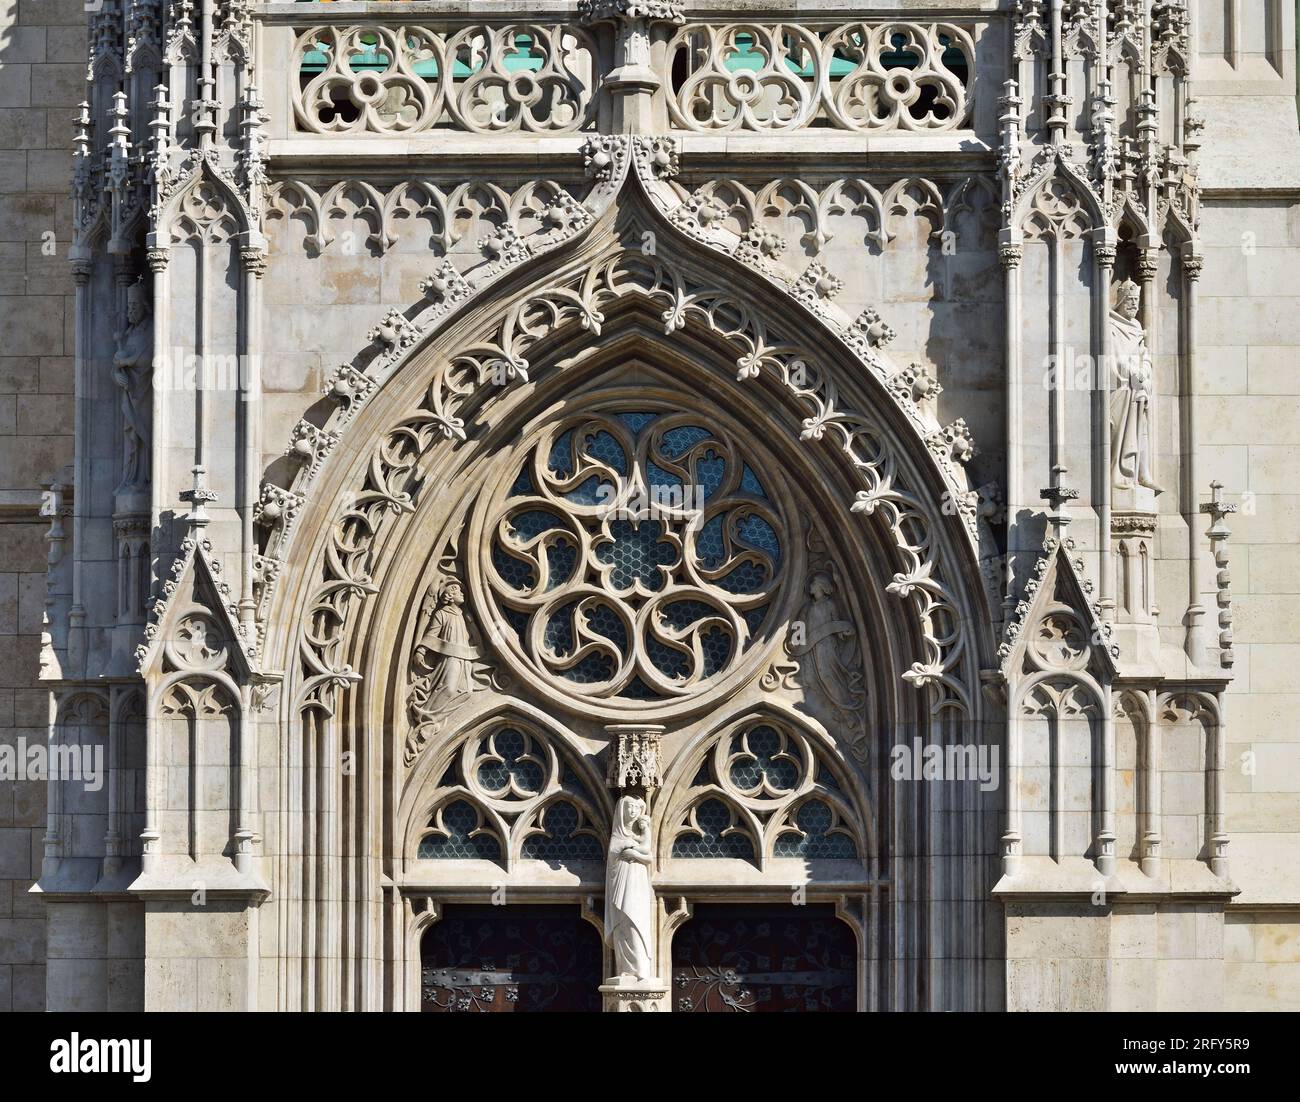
{"x":713,"y":818}
{"x":602,"y":446}
{"x":750,"y":484}
{"x":637,"y":689}
{"x":745,"y":577}
{"x":562,"y":556}
{"x":814,"y":818}
{"x":561,"y":459}
{"x":637,"y":421}
{"x":593,"y":669}
{"x":754,"y":618}
{"x":516,"y":573}
{"x":681,"y":614}
{"x":561,"y":842}
{"x":671,"y":663}
{"x":495,"y":776}
{"x":533,"y":522}
{"x":756,"y":532}
{"x":516,"y":619}
{"x":459,"y":821}
{"x":656,"y":476}
{"x":637,"y":552}
{"x":590,"y":491}
{"x":603,"y":620}
{"x":827,"y":779}
{"x":523,"y":485}
{"x":716,"y":647}
{"x":680,"y":440}
{"x":558,"y":636}
{"x":709,"y":470}
{"x":748,"y":772}
{"x":708,"y":543}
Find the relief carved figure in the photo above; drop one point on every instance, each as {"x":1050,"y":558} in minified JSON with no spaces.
{"x":446,"y":665}
{"x":1133,"y":395}
{"x":822,"y":657}
{"x":133,"y":373}
{"x":629,"y":899}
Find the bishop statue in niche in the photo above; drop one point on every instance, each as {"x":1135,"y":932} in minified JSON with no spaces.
{"x":133,"y":373}
{"x":446,"y":664}
{"x":1132,"y":451}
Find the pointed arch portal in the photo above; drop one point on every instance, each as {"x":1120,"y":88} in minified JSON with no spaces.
{"x":628,"y":498}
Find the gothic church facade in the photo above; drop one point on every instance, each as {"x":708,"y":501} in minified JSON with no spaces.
{"x":632,"y":505}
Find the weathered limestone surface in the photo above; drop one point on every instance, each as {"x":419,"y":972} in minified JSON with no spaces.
{"x":1002,"y":375}
{"x":42,"y":69}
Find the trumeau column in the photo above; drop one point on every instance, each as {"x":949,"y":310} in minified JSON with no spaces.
{"x":631,"y":909}
{"x":638,"y":32}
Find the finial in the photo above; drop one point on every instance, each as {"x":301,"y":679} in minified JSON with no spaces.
{"x":198,"y":497}
{"x":1058,"y":494}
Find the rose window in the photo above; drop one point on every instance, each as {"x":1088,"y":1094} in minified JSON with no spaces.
{"x":636,"y":555}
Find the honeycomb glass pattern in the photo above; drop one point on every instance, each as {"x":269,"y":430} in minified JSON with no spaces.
{"x":817,"y":841}
{"x":636,"y":554}
{"x":459,"y":836}
{"x":762,"y":763}
{"x":562,"y":841}
{"x":714,"y":835}
{"x":773,"y":780}
{"x":510,"y":767}
{"x":514,"y":790}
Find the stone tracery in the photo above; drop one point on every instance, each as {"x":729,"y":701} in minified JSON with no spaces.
{"x":636,"y":554}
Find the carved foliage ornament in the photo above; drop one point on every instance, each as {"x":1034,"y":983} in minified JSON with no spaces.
{"x":580,"y":299}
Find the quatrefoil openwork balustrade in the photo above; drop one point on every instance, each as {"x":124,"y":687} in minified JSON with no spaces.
{"x":637,"y":555}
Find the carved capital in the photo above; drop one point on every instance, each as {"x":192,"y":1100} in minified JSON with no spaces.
{"x":253,"y":260}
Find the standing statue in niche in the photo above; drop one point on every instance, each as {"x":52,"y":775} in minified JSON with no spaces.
{"x":1133,"y":395}
{"x":629,"y":899}
{"x":446,"y":666}
{"x":133,"y":373}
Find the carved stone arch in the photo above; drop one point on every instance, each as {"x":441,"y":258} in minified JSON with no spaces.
{"x":417,"y":411}
{"x":418,"y":793}
{"x":145,"y":57}
{"x":824,"y":774}
{"x":201,"y":206}
{"x":919,"y":528}
{"x":181,"y":48}
{"x":1137,"y":810}
{"x":1192,"y":744}
{"x":77,"y":815}
{"x":1057,"y":202}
